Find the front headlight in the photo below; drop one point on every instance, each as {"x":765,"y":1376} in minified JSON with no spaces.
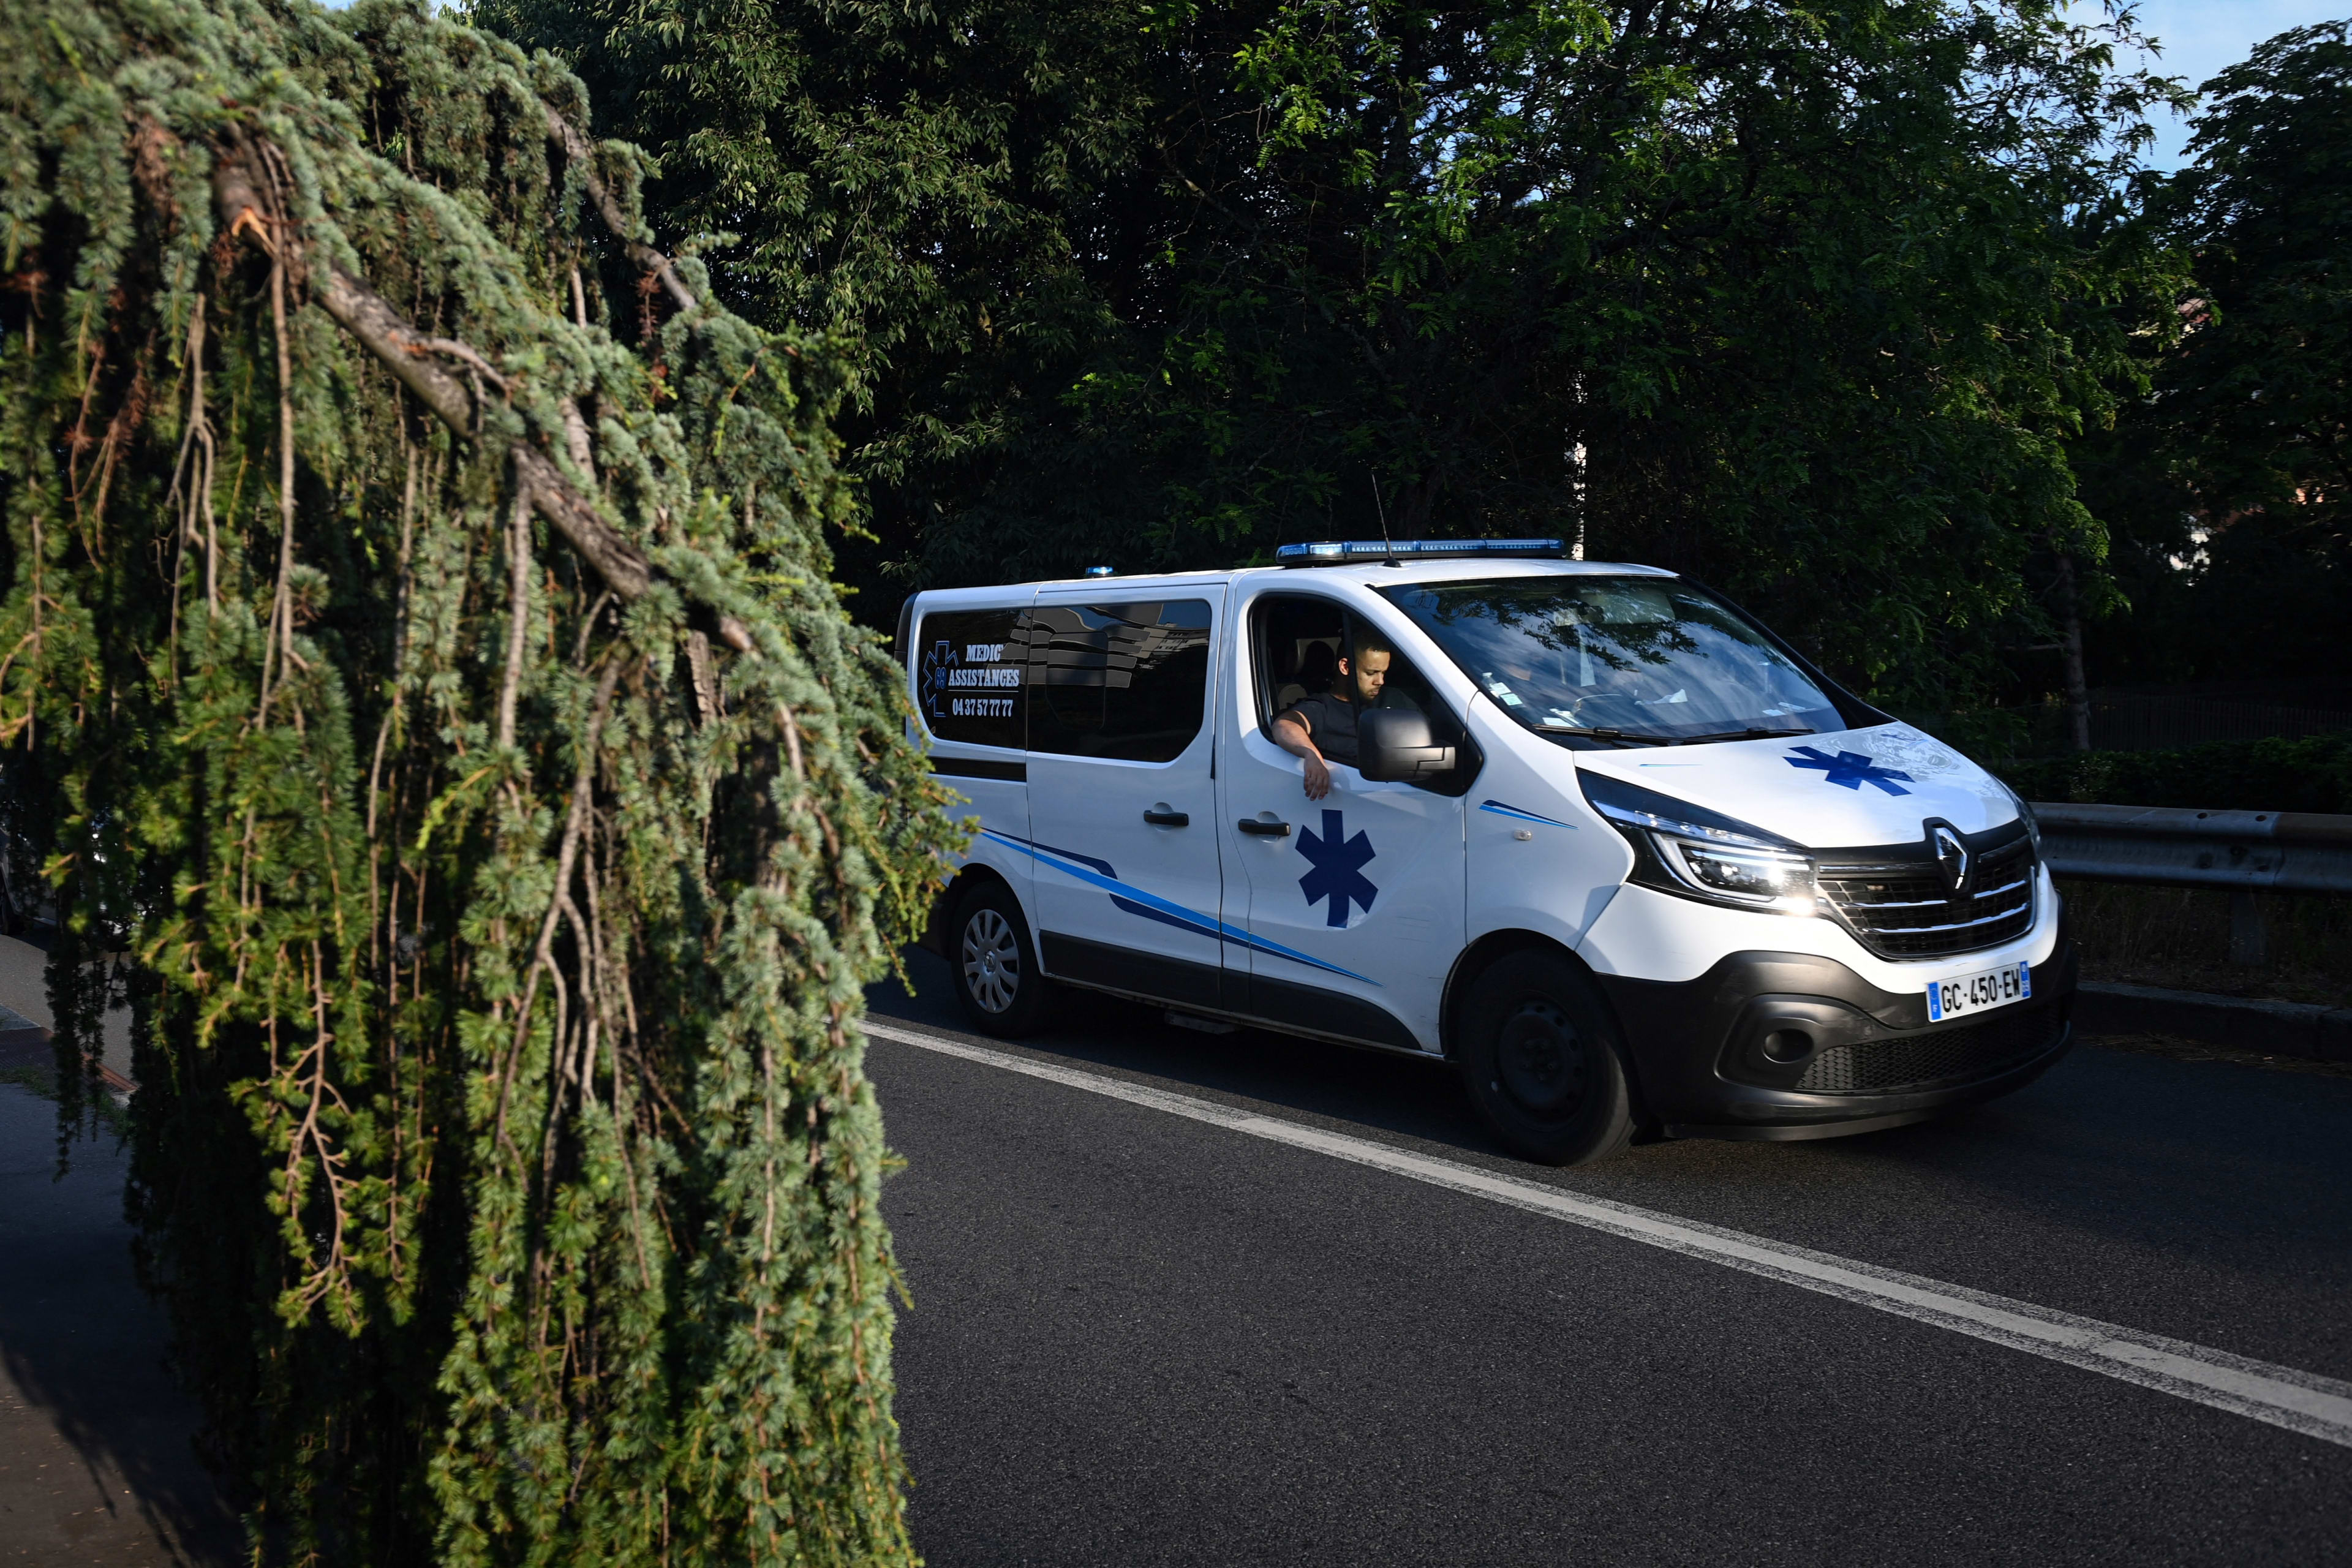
{"x":1748,"y":876}
{"x":1695,"y":853}
{"x":2025,"y":814}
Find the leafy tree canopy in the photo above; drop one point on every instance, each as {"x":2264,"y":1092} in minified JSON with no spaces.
{"x":2231,"y":482}
{"x":1807,"y":300}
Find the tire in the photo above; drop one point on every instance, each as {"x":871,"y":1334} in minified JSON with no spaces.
{"x":1542,"y":1061}
{"x":995,"y":964}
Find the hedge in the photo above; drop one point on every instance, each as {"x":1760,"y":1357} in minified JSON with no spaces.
{"x":2309,"y":773}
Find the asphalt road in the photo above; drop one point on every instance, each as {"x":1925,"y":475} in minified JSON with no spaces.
{"x":97,"y":1461}
{"x":1137,"y":1339}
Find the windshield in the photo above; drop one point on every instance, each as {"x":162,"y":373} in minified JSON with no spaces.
{"x":1632,"y":659}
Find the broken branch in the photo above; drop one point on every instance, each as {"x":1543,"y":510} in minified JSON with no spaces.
{"x":582,"y":157}
{"x":413,"y":357}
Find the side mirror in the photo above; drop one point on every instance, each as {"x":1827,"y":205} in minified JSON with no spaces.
{"x":1399,"y":745}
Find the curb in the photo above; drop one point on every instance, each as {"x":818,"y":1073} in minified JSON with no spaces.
{"x":2283,"y":1028}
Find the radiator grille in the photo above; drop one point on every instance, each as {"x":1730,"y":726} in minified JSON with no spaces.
{"x":1936,"y":1056}
{"x":1903,"y":910}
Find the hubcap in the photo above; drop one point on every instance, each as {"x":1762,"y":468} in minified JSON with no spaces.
{"x":992,"y":961}
{"x":1540,"y":1059}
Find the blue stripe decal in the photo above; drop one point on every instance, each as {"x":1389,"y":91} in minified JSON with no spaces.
{"x":1148,"y":912}
{"x":1134,"y":900}
{"x":1499,"y":809}
{"x":1105,"y":866}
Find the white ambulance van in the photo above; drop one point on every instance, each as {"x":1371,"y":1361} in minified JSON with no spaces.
{"x":1587,"y":831}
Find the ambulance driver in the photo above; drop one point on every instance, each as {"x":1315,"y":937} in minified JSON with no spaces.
{"x":1321,"y":728}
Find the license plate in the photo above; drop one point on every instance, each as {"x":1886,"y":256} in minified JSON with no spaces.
{"x":1977,"y":993}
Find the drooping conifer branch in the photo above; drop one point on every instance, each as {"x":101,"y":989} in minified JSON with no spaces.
{"x":502,"y":1147}
{"x":411,"y":356}
{"x":576,"y":149}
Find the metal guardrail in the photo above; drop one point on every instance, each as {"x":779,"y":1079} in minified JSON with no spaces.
{"x":2243,"y":852}
{"x":2251,"y":851}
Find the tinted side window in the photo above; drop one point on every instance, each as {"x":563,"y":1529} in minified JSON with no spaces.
{"x":968,"y":680}
{"x":1125,"y":681}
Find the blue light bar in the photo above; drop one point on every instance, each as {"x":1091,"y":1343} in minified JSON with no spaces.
{"x":1344,"y":551}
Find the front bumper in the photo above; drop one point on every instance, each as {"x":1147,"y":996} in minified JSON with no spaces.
{"x":1792,"y":1045}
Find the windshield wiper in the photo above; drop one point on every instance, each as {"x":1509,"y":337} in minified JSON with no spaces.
{"x":1606,"y":734}
{"x":1751,"y":733}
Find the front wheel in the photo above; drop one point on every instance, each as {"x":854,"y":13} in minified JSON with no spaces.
{"x":1541,"y":1060}
{"x":995,"y":964}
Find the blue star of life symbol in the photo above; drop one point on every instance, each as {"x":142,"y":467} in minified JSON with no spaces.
{"x":1850,"y":769}
{"x":936,"y":664}
{"x":1339,"y":873}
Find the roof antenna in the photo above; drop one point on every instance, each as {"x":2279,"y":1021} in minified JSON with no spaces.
{"x":1385,"y":541}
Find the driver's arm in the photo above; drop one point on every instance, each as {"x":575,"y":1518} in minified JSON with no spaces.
{"x":1290,"y":732}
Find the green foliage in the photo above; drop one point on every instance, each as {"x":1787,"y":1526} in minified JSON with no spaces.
{"x":1805,"y":299}
{"x":2230,"y":486}
{"x":2311,"y":772}
{"x":503,"y":1148}
{"x":935,"y":183}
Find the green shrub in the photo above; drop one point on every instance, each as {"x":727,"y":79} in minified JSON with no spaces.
{"x":2310,"y":772}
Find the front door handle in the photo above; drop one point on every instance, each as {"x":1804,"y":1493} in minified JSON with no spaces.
{"x":1169,"y":818}
{"x":1264,"y":828}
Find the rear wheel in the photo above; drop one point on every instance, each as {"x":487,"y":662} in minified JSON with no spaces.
{"x":1542,"y":1062}
{"x":995,"y":964}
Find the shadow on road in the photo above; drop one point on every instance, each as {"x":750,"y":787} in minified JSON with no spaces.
{"x":1361,"y":1089}
{"x":98,"y":1462}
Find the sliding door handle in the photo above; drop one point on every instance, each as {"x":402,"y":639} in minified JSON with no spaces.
{"x":1162,"y":817}
{"x":1263,"y":828}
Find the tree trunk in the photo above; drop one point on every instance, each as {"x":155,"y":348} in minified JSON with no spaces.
{"x":2078,"y":688}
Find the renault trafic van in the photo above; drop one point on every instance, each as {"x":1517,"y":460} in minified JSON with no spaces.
{"x":1588,"y":832}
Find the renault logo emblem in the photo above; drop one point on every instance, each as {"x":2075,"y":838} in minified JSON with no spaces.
{"x":1951,"y":853}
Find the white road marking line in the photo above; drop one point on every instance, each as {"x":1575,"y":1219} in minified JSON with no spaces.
{"x":2299,"y":1401}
